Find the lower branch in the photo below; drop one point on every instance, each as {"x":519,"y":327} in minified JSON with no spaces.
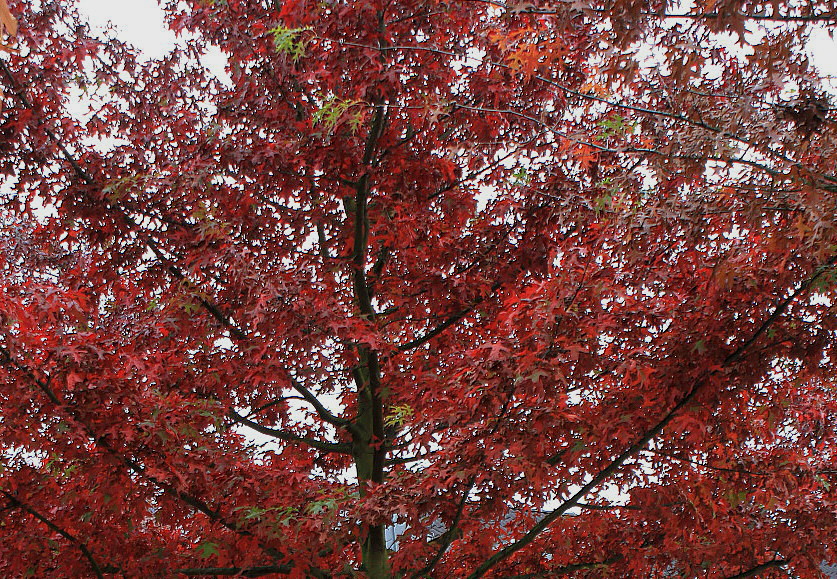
{"x":567,"y":569}
{"x":97,"y":569}
{"x":235,"y":571}
{"x":759,"y":568}
{"x":650,"y":434}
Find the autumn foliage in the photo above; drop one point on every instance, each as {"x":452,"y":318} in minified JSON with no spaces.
{"x":543,"y":288}
{"x":8,"y":27}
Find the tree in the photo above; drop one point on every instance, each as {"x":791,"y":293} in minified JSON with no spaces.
{"x":555,"y":277}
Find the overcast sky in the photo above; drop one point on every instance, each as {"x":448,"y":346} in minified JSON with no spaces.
{"x":139,"y":22}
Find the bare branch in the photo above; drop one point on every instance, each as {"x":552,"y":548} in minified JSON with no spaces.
{"x":322,"y":411}
{"x":289,"y":436}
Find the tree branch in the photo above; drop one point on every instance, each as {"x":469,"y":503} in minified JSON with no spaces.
{"x":407,"y":459}
{"x":289,"y":436}
{"x":97,"y":569}
{"x":823,"y":17}
{"x":829,"y":17}
{"x":779,"y":310}
{"x":236,"y":571}
{"x":592,"y":507}
{"x":567,"y":569}
{"x":596,"y":98}
{"x":448,"y":536}
{"x":759,"y":568}
{"x":602,"y":475}
{"x":322,"y":411}
{"x":211,"y":308}
{"x":640,"y":444}
{"x":430,"y":334}
{"x":704,"y":465}
{"x":192,"y":501}
{"x":258,"y":571}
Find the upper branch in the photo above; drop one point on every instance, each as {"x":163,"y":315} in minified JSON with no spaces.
{"x":430,"y":334}
{"x":823,"y":17}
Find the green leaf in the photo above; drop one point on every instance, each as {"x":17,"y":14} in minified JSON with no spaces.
{"x":399,"y":415}
{"x":736,"y":498}
{"x":317,"y":507}
{"x":207,"y":550}
{"x":289,"y":41}
{"x":332,"y":110}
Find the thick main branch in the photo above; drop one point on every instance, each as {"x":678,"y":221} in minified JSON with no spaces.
{"x":368,"y":428}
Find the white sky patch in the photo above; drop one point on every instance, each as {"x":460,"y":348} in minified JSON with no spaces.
{"x":139,"y":22}
{"x":822,"y":47}
{"x":142,"y":23}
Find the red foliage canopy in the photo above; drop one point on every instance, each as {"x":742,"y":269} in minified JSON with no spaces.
{"x":555,"y":277}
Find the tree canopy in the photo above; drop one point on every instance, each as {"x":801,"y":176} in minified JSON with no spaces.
{"x":555,"y":277}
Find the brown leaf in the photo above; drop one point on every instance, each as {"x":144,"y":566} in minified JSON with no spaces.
{"x":8,"y":25}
